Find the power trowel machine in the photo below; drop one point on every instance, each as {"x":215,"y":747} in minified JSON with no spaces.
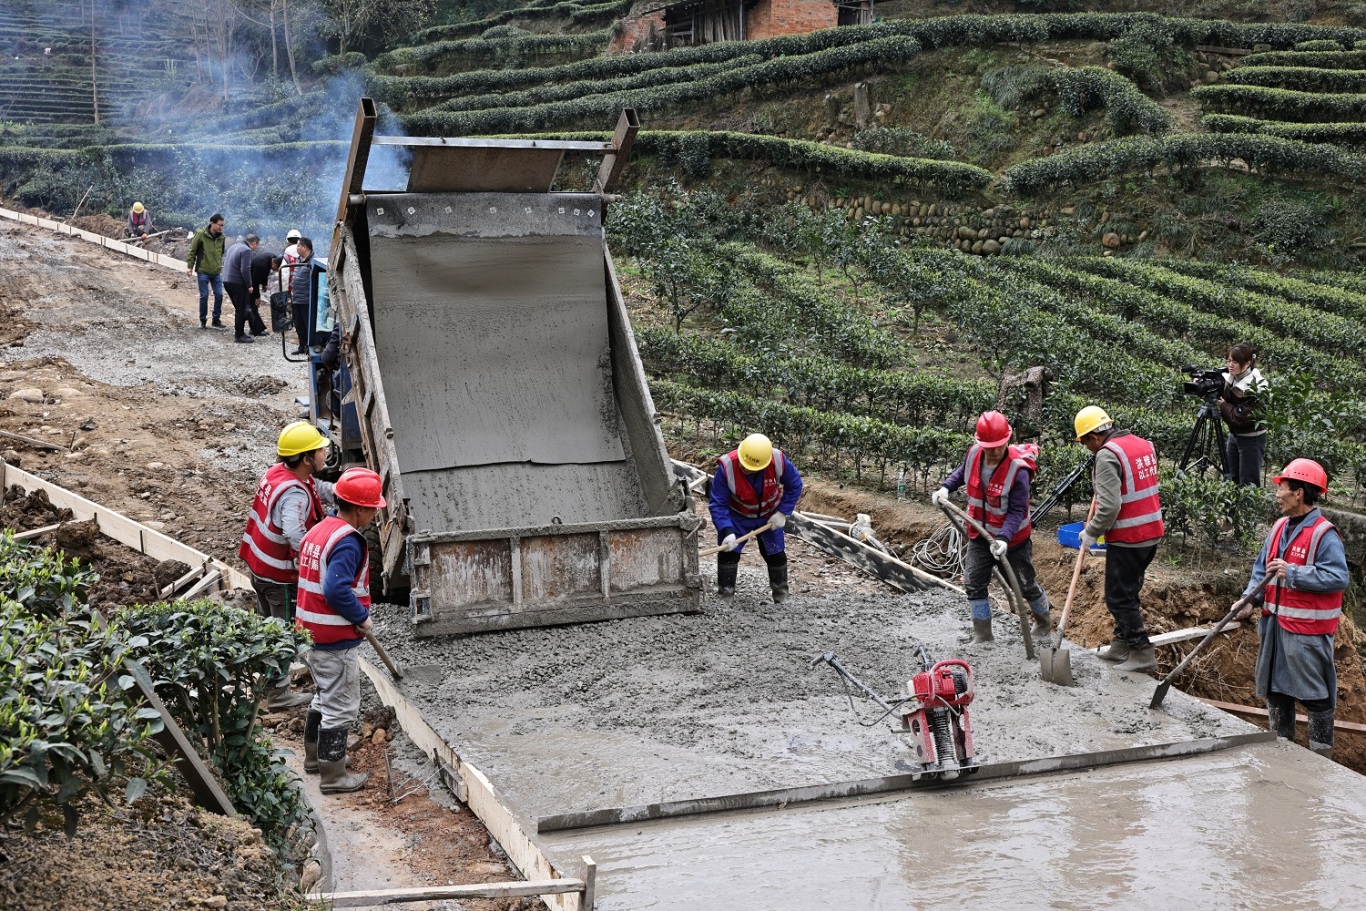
{"x":934,"y":714}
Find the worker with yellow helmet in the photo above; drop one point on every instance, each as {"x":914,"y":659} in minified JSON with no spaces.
{"x":1128,"y":512}
{"x":139,"y":221}
{"x":289,"y":501}
{"x":755,"y":487}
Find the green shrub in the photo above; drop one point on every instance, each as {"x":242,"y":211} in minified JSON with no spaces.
{"x":903,"y":141}
{"x":1200,"y":505}
{"x":1319,"y":45}
{"x":211,"y":664}
{"x":43,"y":581}
{"x":1299,"y":78}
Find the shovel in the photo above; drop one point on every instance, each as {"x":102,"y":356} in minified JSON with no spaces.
{"x":1238,"y":605}
{"x":394,"y":670}
{"x":1005,"y":574}
{"x":1055,"y":661}
{"x":708,"y":551}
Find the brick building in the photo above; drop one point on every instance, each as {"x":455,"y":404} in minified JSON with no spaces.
{"x":681,"y":23}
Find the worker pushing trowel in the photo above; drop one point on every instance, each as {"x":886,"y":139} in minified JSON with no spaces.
{"x":755,"y":489}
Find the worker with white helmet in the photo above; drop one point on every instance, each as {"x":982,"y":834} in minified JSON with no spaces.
{"x":755,"y":485}
{"x":299,"y":309}
{"x":997,"y":476}
{"x":334,"y":607}
{"x":1301,"y":607}
{"x":289,"y":501}
{"x":1127,"y":510}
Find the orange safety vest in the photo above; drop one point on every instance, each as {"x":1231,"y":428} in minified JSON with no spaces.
{"x":1140,"y":509}
{"x":313,"y":612}
{"x":990,"y":505}
{"x":1298,"y":611}
{"x":744,"y":499}
{"x":265,"y":549}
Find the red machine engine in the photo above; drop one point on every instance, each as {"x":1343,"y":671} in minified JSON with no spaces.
{"x":936,"y":718}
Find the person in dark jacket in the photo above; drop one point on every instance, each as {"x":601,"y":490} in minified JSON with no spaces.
{"x":265,"y":265}
{"x":237,"y":282}
{"x":139,"y":221}
{"x":299,"y":287}
{"x":205,"y":260}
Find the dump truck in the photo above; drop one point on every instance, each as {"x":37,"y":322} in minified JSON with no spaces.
{"x":489,"y":365}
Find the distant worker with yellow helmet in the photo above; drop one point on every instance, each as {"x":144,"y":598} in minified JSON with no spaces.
{"x":289,"y":501}
{"x":139,"y":221}
{"x":1128,"y":512}
{"x":755,"y":486}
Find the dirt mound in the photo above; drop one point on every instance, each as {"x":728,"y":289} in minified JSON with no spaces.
{"x":99,"y":223}
{"x":262,"y":386}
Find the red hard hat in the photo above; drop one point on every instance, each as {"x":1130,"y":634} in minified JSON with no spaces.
{"x":1306,"y":470}
{"x":993,"y":430}
{"x":360,"y":487}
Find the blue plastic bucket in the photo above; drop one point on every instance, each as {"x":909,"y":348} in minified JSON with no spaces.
{"x":1070,"y":536}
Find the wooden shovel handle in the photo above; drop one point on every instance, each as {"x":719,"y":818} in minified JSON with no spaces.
{"x":1071,"y":591}
{"x":708,"y":551}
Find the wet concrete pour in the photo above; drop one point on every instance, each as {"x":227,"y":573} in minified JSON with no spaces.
{"x":672,"y":708}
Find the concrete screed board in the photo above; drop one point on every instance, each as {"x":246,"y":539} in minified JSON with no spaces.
{"x":644,"y":710}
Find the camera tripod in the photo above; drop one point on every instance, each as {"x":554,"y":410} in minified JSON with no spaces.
{"x":1205,"y":447}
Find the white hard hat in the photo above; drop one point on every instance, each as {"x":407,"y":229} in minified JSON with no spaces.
{"x":293,"y":234}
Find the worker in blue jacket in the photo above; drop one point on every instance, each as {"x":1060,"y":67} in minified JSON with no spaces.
{"x":755,"y":486}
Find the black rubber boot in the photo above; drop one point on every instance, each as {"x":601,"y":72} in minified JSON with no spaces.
{"x":311,"y":726}
{"x":727,"y":569}
{"x":332,"y":763}
{"x":1042,"y":628}
{"x":777,"y":576}
{"x":1280,"y":715}
{"x":1142,"y":660}
{"x":981,"y":632}
{"x":1321,"y":733}
{"x":1117,"y":650}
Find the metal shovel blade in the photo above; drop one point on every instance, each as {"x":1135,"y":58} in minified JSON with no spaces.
{"x":1056,"y":665}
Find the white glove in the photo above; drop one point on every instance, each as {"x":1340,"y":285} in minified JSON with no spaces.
{"x":940,"y":497}
{"x":1088,"y":541}
{"x":998,"y":547}
{"x":728,"y":542}
{"x":777,"y":520}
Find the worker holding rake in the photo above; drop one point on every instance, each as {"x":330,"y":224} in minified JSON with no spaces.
{"x":997,"y":477}
{"x":755,"y":488}
{"x":1301,"y":607}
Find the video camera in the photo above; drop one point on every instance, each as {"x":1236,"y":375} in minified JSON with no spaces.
{"x":1203,"y":383}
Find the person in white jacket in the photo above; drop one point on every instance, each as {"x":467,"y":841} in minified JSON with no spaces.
{"x":1240,"y":409}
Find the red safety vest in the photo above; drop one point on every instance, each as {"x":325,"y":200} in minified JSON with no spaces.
{"x":1299,"y":611}
{"x":313,"y":612}
{"x":1140,"y":509}
{"x":265,"y":549}
{"x":138,"y":221}
{"x":990,"y":506}
{"x":744,"y":499}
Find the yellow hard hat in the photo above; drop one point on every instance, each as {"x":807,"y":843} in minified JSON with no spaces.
{"x":137,"y":207}
{"x":756,"y":451}
{"x":1089,"y":419}
{"x":298,"y":437}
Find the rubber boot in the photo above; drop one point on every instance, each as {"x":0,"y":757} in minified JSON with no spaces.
{"x":726,"y":573}
{"x":311,"y":726}
{"x":1117,"y":650}
{"x":1143,"y":660}
{"x":777,"y":576}
{"x":981,"y":621}
{"x":1321,"y":733}
{"x":332,"y":763}
{"x":1280,"y":715}
{"x":281,"y":698}
{"x":1042,"y":628}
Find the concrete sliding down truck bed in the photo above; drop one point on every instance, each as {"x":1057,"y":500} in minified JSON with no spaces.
{"x":512,"y":421}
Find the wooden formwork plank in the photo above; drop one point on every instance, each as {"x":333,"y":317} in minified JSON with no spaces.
{"x":1252,"y":711}
{"x":368,"y":899}
{"x":475,"y":789}
{"x":119,"y":527}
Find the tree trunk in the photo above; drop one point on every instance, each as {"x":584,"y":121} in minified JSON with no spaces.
{"x":274,"y":48}
{"x":289,"y":48}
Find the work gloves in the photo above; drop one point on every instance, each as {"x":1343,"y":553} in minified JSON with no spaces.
{"x":777,"y":520}
{"x":940,"y":497}
{"x":728,"y":542}
{"x":1088,"y":541}
{"x":998,"y":547}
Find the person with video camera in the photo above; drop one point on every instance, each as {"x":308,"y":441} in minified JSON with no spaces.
{"x":1128,"y":512}
{"x":1240,"y":408}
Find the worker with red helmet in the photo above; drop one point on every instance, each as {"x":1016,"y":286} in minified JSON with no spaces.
{"x":334,"y":606}
{"x":1127,"y":510}
{"x":756,"y":486}
{"x":997,"y":477}
{"x":1301,"y":607}
{"x":289,"y":501}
